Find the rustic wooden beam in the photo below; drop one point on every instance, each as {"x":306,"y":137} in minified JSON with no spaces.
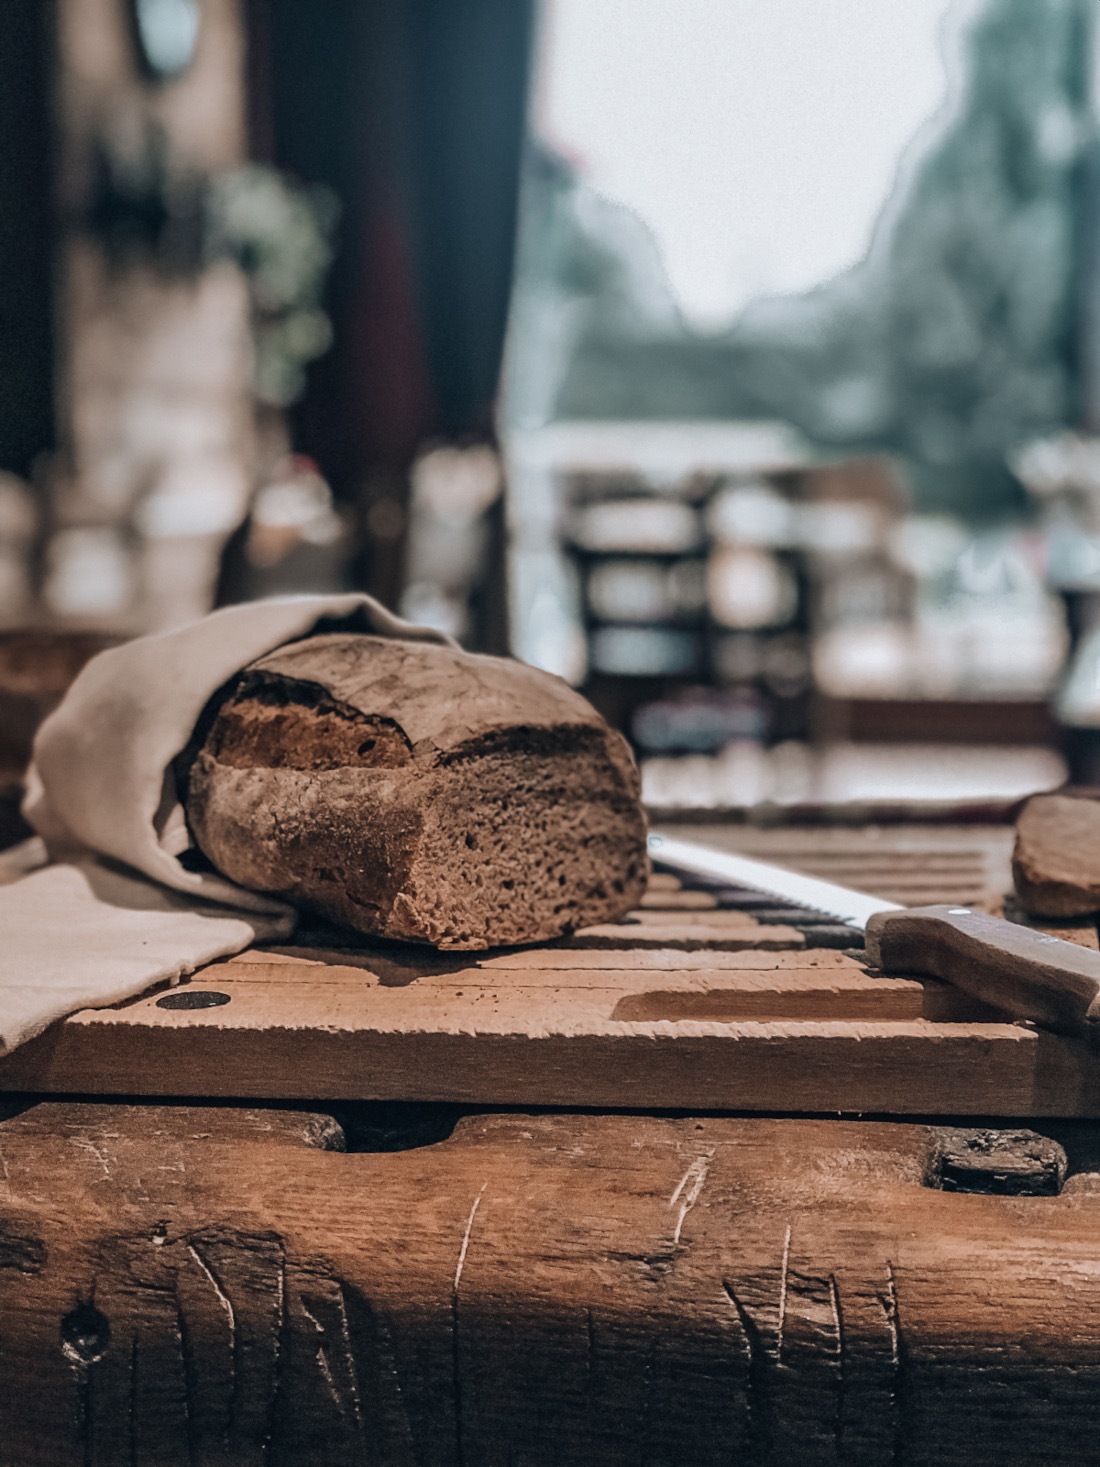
{"x":193,"y":1286}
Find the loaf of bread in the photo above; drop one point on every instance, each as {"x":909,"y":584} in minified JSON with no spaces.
{"x":413,"y":791}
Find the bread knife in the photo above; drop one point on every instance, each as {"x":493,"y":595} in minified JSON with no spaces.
{"x":1024,"y":973}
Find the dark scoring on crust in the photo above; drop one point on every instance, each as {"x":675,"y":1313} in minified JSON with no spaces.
{"x":276,"y":724}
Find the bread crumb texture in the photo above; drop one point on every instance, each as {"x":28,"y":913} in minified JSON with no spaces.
{"x":416,"y":792}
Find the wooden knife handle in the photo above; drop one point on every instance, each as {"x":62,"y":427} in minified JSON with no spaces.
{"x":1026,"y":973}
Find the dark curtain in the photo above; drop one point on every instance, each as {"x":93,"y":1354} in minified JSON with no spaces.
{"x":26,"y":236}
{"x":413,"y":111}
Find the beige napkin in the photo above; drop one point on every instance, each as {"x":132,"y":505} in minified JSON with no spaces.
{"x":115,"y":912}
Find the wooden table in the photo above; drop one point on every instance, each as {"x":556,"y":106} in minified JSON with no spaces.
{"x":188,"y":1283}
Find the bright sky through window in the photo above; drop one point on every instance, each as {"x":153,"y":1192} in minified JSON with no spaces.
{"x":757,"y":138}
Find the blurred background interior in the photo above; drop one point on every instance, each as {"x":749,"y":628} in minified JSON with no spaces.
{"x":738,"y":362}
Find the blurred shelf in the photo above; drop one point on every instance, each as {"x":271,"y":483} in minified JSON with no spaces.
{"x":936,"y":721}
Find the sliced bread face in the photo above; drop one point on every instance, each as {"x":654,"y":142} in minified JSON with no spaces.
{"x":416,"y":792}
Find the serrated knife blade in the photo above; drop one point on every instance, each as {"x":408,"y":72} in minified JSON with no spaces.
{"x":855,"y":908}
{"x":1021,"y":972}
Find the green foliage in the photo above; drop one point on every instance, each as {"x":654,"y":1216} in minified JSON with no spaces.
{"x":280,"y":234}
{"x":145,"y":206}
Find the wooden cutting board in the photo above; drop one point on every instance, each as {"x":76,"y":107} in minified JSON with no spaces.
{"x":687,"y":1005}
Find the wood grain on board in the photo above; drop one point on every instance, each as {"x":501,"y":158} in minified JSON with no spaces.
{"x":179,"y":1286}
{"x":910,"y":864}
{"x":751,"y":1030}
{"x":669,"y":899}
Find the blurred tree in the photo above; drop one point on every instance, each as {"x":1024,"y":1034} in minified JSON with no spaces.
{"x":955,"y":340}
{"x":590,"y":276}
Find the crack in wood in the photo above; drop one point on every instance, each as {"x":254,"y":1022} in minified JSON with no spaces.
{"x":319,"y":1401}
{"x":193,"y":1373}
{"x":322,"y":1358}
{"x":346,"y":1397}
{"x":456,"y":1363}
{"x":696,"y":1176}
{"x":759,"y":1400}
{"x":190,"y":1382}
{"x":132,"y":1398}
{"x":277,"y":1355}
{"x":897,"y":1381}
{"x":466,"y":1236}
{"x":890,"y":1307}
{"x":783,"y":1296}
{"x":222,"y":1298}
{"x":841,"y":1366}
{"x":374,"y":1350}
{"x":83,"y":1144}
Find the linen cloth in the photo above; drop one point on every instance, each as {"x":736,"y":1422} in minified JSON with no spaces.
{"x":99,"y":908}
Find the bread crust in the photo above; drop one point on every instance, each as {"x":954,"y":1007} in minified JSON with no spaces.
{"x":418,"y":792}
{"x":1056,"y":858}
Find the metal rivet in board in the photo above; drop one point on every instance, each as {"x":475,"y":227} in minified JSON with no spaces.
{"x":193,"y":998}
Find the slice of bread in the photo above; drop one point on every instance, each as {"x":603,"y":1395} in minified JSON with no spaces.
{"x":1056,"y":858}
{"x":417,"y":792}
